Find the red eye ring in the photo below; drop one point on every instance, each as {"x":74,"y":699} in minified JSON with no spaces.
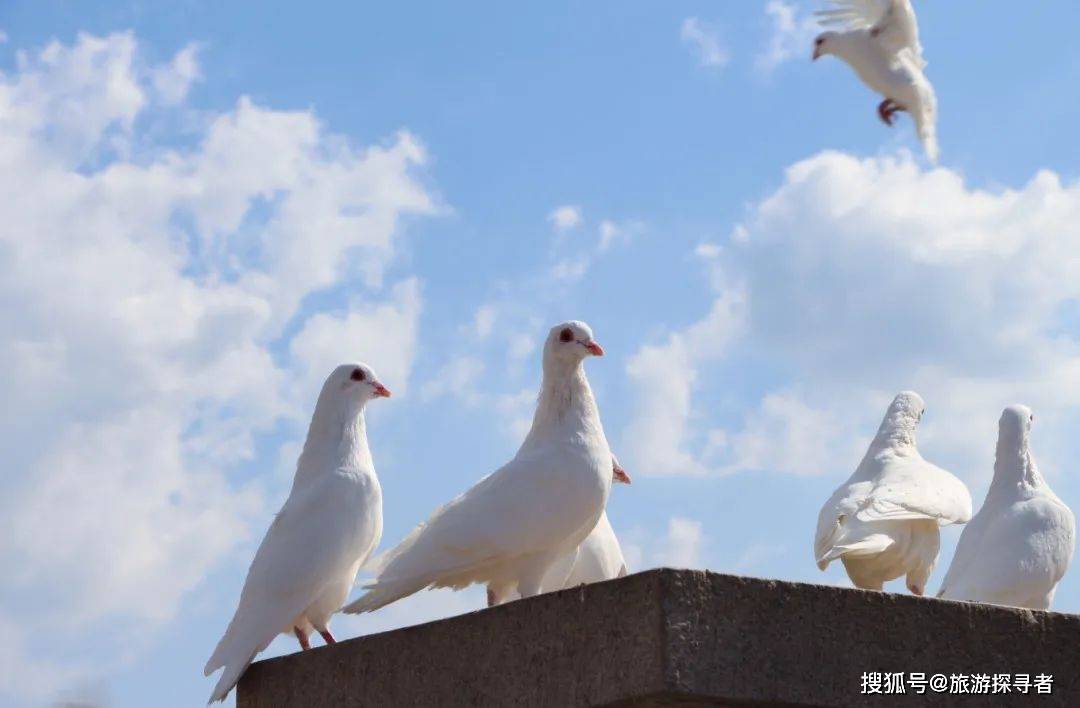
{"x":567,"y":335}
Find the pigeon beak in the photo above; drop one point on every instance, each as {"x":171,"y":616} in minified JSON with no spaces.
{"x":382,"y":391}
{"x":619,"y":475}
{"x":595,"y":349}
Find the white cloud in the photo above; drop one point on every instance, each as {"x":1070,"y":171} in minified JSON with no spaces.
{"x":704,"y":40}
{"x":612,"y":233}
{"x":571,"y":269}
{"x":785,"y":435}
{"x":664,"y":377}
{"x":173,"y":80}
{"x":565,"y":217}
{"x":380,"y":334}
{"x":792,"y":35}
{"x":682,"y":545}
{"x":484,"y":320}
{"x":460,"y":377}
{"x":145,"y":295}
{"x":863,"y":277}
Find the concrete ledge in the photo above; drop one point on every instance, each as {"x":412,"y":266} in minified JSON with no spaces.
{"x":677,"y":637}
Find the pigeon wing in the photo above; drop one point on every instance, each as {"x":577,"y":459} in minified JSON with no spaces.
{"x":515,"y":511}
{"x":303,"y":549}
{"x":911,"y":488}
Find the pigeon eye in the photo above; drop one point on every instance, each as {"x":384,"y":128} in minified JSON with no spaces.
{"x":357,"y":375}
{"x":567,"y":335}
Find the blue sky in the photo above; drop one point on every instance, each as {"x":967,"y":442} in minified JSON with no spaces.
{"x":208,"y":205}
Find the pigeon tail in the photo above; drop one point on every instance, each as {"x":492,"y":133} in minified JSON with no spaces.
{"x":869,"y":546}
{"x":229,"y":678}
{"x":385,"y":592}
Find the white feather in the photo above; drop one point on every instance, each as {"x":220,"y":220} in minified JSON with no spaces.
{"x":883,"y":522}
{"x":510,"y":527}
{"x":1019,"y":545}
{"x":898,"y":77}
{"x":329,"y":525}
{"x":892,"y":23}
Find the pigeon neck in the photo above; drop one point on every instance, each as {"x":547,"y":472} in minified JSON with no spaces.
{"x":896,"y":431}
{"x":565,"y":396}
{"x":1014,"y":467}
{"x":336,"y":439}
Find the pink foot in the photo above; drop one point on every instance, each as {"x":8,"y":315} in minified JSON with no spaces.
{"x":327,"y":637}
{"x":302,"y":638}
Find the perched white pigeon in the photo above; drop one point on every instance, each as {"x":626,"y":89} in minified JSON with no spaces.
{"x":884,"y":51}
{"x":598,"y":558}
{"x":883,"y":522}
{"x":1019,"y":545}
{"x":329,"y":525}
{"x":515,"y":523}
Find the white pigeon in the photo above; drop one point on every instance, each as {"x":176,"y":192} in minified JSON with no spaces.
{"x":598,"y":558}
{"x":886,"y":55}
{"x":508,"y":529}
{"x":883,"y":522}
{"x":329,"y":525}
{"x":891,"y":22}
{"x":1019,"y":545}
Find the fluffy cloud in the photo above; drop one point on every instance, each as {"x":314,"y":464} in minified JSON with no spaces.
{"x":792,"y":33}
{"x":665,"y":376}
{"x":565,"y":217}
{"x":704,"y":40}
{"x":862,"y":277}
{"x":152,"y":310}
{"x":172,"y":81}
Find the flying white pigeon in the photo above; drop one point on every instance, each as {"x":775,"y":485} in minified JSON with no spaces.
{"x":883,"y":48}
{"x":598,"y":558}
{"x":891,"y":22}
{"x":1019,"y":545}
{"x":883,"y":522}
{"x":515,"y":523}
{"x":329,"y":525}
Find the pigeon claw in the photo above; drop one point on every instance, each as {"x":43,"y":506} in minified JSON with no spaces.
{"x":887,"y":110}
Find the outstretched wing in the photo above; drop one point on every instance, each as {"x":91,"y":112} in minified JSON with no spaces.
{"x":892,"y":22}
{"x":853,"y":14}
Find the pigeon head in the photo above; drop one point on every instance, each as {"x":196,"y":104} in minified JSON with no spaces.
{"x":353,"y":384}
{"x":1015,"y":425}
{"x":907,"y":405}
{"x":570,"y":342}
{"x":824,"y":44}
{"x":903,"y":416}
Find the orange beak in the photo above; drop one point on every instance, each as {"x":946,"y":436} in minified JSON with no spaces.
{"x":595,"y":349}
{"x":382,"y":391}
{"x":618,"y":474}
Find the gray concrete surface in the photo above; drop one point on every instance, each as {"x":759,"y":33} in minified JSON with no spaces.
{"x":681,"y":638}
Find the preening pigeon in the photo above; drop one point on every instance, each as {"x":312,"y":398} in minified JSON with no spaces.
{"x":880,"y":41}
{"x":1019,"y":545}
{"x":329,"y":525}
{"x":508,"y":529}
{"x":883,"y":522}
{"x":598,"y":558}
